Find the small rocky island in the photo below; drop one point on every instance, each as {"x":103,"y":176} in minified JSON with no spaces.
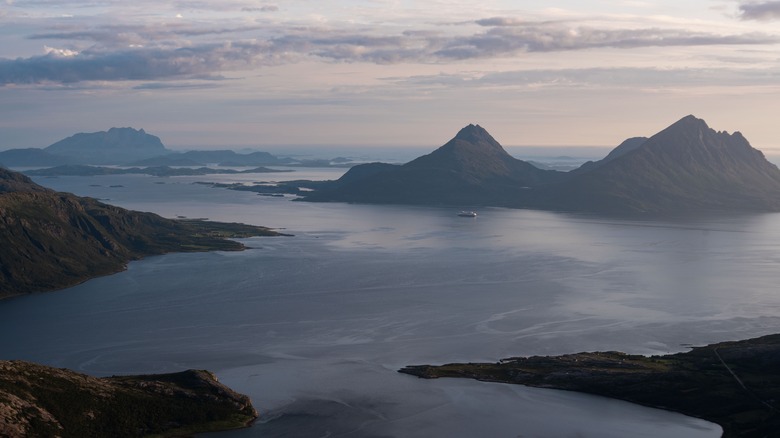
{"x":40,"y":401}
{"x":733,"y":384}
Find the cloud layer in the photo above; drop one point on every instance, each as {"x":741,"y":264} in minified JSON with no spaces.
{"x":763,"y":11}
{"x":145,"y":53}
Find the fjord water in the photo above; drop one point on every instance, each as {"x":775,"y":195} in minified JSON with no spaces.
{"x":313,"y":327}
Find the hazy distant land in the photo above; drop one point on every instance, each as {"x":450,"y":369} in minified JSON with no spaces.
{"x":86,"y":170}
{"x":136,"y":148}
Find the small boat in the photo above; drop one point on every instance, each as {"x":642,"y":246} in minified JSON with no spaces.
{"x":467,"y":214}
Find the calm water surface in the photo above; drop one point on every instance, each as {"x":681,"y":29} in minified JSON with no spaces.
{"x":313,"y":327}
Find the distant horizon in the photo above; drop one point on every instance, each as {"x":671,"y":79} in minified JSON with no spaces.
{"x":411,"y":151}
{"x":7,"y":145}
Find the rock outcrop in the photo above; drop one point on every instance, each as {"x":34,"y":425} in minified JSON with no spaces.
{"x":41,"y":401}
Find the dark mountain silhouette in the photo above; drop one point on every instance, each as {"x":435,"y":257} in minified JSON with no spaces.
{"x":472,"y":168}
{"x":686,"y":168}
{"x":115,"y":146}
{"x":53,"y":240}
{"x":622,"y":149}
{"x":361,"y":171}
{"x":31,"y":157}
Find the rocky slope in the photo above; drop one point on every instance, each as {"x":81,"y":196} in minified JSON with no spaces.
{"x":472,"y":169}
{"x":53,"y":240}
{"x":734,"y":384}
{"x":40,"y":401}
{"x":686,"y":168}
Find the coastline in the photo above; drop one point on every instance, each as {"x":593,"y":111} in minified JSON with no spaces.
{"x":732,"y":384}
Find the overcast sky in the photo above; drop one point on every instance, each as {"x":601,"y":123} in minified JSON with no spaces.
{"x":227,"y":73}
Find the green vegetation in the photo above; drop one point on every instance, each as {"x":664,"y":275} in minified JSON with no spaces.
{"x":54,"y":240}
{"x":39,"y":401}
{"x":733,"y":384}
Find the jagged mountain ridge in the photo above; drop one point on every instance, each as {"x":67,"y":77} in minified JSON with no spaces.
{"x":686,"y":168}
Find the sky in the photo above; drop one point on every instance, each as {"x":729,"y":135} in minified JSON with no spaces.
{"x":242,"y":73}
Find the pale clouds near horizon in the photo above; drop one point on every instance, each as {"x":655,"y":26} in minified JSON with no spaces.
{"x":255,"y":73}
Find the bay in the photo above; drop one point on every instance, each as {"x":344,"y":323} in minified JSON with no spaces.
{"x":313,"y":327}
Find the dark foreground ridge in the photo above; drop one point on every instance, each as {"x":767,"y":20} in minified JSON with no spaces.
{"x":53,"y":240}
{"x":40,"y":401}
{"x":733,"y":384}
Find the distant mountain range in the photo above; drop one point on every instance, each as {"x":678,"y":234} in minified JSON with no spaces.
{"x":117,"y":145}
{"x":686,"y":168}
{"x":52,"y":240}
{"x":85,"y":170}
{"x":131,"y":147}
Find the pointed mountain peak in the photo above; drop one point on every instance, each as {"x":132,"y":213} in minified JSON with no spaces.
{"x":689,"y":122}
{"x":475,"y":134}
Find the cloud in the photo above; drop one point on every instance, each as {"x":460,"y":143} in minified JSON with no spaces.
{"x":500,"y":21}
{"x":760,"y":10}
{"x":147,"y":53}
{"x":136,"y":64}
{"x":500,"y":41}
{"x":618,"y":77}
{"x":123,"y":35}
{"x":176,"y":86}
{"x":511,"y":21}
{"x":268,"y":8}
{"x":59,"y":52}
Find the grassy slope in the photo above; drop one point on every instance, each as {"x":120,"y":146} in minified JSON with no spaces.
{"x":53,"y":240}
{"x":40,"y":401}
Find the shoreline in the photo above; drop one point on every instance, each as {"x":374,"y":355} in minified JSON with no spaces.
{"x":733,"y":384}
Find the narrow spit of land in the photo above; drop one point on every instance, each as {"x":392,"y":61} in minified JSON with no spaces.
{"x":733,"y":384}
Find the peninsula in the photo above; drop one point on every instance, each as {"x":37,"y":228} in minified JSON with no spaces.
{"x":53,"y":240}
{"x":733,"y":384}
